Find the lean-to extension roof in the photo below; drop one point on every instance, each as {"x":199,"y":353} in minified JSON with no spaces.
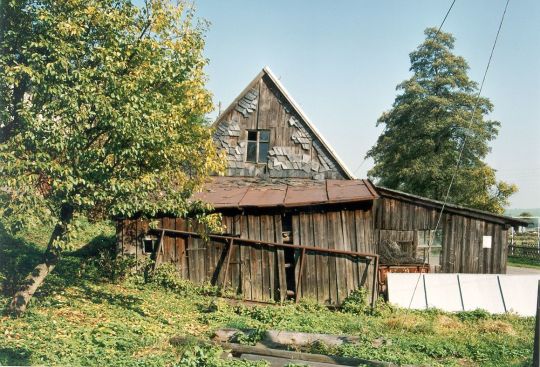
{"x":449,"y":208}
{"x":244,"y":192}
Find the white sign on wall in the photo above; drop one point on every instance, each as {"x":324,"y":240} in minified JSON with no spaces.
{"x":486,"y":242}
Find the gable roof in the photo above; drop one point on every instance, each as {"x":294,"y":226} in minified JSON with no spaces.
{"x":297,"y":109}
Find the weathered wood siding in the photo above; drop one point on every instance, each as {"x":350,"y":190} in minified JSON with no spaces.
{"x":462,"y":250}
{"x":258,"y":273}
{"x":294,"y":149}
{"x":330,"y":279}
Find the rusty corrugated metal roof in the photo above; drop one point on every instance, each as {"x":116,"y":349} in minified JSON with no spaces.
{"x":239,"y":192}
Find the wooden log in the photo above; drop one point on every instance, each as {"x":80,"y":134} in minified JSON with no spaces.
{"x":263,"y":351}
{"x":285,"y":339}
{"x":275,"y":338}
{"x":240,"y":349}
{"x":281,"y":362}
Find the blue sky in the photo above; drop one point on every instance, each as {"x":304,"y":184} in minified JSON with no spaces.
{"x":341,"y":61}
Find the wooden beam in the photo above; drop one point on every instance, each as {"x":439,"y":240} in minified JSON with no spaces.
{"x":158,"y":250}
{"x":274,"y":244}
{"x":374,"y":285}
{"x":300,"y":271}
{"x":227,"y":262}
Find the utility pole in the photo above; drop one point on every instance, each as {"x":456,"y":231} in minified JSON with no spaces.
{"x":536,"y":351}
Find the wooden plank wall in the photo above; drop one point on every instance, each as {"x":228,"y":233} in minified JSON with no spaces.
{"x":462,"y":236}
{"x":258,"y":273}
{"x":330,"y":279}
{"x":272,"y":113}
{"x":254,"y":271}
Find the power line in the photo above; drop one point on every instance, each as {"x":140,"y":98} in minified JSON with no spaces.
{"x":454,"y":174}
{"x":438,"y":30}
{"x":446,"y":16}
{"x":472,"y":115}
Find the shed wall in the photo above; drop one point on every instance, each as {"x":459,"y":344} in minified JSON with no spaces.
{"x":462,"y":250}
{"x":258,"y":273}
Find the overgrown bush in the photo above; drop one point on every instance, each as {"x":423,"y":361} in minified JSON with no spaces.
{"x":210,"y":356}
{"x":166,"y":276}
{"x":113,"y":267}
{"x":475,"y":315}
{"x":356,"y":302}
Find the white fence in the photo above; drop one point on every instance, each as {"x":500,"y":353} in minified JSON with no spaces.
{"x":465,"y":292}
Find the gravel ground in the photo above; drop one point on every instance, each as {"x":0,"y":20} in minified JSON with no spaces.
{"x":521,"y":270}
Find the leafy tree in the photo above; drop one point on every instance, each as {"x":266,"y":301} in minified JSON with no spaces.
{"x":525,"y":214}
{"x":428,"y":123}
{"x":102,"y":113}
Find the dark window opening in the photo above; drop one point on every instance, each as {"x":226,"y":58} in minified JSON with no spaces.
{"x":258,"y":145}
{"x":150,"y":244}
{"x":252,"y":135}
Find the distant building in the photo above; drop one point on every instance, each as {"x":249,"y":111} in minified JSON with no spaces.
{"x":532,"y":224}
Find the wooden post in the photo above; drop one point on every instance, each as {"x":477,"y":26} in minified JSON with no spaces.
{"x":158,"y":250}
{"x":536,"y":351}
{"x":374,"y":289}
{"x":300,"y":271}
{"x":227,"y":262}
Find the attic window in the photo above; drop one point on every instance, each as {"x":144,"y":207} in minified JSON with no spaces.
{"x":258,"y":144}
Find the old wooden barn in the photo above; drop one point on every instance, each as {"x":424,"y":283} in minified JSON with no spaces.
{"x":297,"y":223}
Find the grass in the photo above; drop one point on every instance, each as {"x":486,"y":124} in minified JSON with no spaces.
{"x":80,"y":318}
{"x":523,"y":262}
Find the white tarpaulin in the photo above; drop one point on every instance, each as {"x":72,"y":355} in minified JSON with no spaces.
{"x":465,"y":292}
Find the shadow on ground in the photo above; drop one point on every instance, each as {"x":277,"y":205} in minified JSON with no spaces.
{"x":17,"y":259}
{"x":75,"y":269}
{"x":14,"y":356}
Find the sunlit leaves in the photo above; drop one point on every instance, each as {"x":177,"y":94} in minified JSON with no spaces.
{"x":103,"y":109}
{"x":428,"y":124}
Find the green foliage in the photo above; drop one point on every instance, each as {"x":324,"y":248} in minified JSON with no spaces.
{"x":475,"y":315}
{"x":102,"y":107}
{"x":523,"y":262}
{"x":195,"y":354}
{"x":249,"y":338}
{"x":114,"y":268}
{"x":427,"y":125}
{"x":78,"y":319}
{"x":201,"y":356}
{"x":166,"y":276}
{"x":356,"y":302}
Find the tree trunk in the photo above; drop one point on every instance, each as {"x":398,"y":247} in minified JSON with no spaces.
{"x":35,"y":279}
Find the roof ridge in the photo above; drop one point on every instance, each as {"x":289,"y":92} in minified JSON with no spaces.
{"x":308,"y":122}
{"x":296,"y":107}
